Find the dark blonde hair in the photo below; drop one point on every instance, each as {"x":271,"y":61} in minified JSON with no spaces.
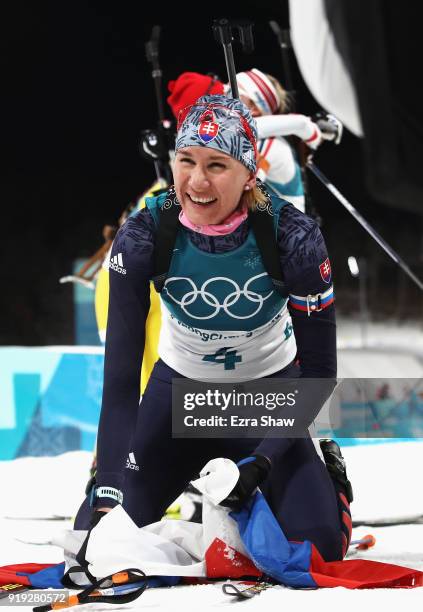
{"x":252,"y":198}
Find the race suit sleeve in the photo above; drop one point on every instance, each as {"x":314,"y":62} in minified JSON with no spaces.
{"x":130,"y":268}
{"x":275,"y":161}
{"x":286,"y":125}
{"x":307,"y":272}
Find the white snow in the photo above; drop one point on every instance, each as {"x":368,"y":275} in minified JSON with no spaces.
{"x":387,"y":350}
{"x":44,"y":486}
{"x":388,"y":334}
{"x":386,"y":481}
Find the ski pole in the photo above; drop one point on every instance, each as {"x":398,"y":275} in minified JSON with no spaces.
{"x":223,"y":32}
{"x":152,"y":53}
{"x":285,"y":45}
{"x":369,"y":229}
{"x":126,"y":586}
{"x":364,"y":543}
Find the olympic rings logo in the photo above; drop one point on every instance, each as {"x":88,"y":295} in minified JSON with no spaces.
{"x":211,"y":300}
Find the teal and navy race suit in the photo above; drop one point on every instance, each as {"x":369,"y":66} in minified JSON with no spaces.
{"x":217,"y":295}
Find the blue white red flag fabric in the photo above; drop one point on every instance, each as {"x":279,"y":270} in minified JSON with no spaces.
{"x":226,"y":545}
{"x":299,"y":564}
{"x":34,"y":575}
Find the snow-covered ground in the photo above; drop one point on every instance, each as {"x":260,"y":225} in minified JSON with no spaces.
{"x":391,"y":334}
{"x":386,"y":485}
{"x":384,"y":350}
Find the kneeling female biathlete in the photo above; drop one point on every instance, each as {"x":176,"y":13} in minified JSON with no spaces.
{"x":223,"y":318}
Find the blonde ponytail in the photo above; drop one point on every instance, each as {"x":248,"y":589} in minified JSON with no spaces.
{"x":252,"y":198}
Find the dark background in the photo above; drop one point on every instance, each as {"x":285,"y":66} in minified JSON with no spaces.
{"x":78,"y":90}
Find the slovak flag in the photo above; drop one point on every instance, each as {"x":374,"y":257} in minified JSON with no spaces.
{"x":326,"y":270}
{"x":208,"y":130}
{"x":225,"y":545}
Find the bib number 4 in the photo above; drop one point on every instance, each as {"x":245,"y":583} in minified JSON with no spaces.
{"x":288,"y":330}
{"x":226,"y":356}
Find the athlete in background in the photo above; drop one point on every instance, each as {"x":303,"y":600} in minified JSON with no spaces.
{"x":269,"y":104}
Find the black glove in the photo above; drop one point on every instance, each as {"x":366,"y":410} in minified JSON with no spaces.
{"x":330,"y":127}
{"x":252,"y":471}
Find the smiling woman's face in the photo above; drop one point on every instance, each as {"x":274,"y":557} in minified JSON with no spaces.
{"x":209,"y":184}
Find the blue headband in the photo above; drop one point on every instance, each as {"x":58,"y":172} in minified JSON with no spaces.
{"x":220,"y":123}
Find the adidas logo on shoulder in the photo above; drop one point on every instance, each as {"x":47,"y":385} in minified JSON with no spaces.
{"x":116,"y":264}
{"x":131,"y":463}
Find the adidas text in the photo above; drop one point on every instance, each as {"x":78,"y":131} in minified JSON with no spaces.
{"x":116,"y":264}
{"x":131,"y":462}
{"x":117,"y":268}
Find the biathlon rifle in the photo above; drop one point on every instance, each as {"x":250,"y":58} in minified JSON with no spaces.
{"x":154,"y":143}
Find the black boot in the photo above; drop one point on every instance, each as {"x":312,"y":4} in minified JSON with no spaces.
{"x":335,"y":464}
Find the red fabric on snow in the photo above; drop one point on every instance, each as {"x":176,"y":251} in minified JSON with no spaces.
{"x":362,"y":574}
